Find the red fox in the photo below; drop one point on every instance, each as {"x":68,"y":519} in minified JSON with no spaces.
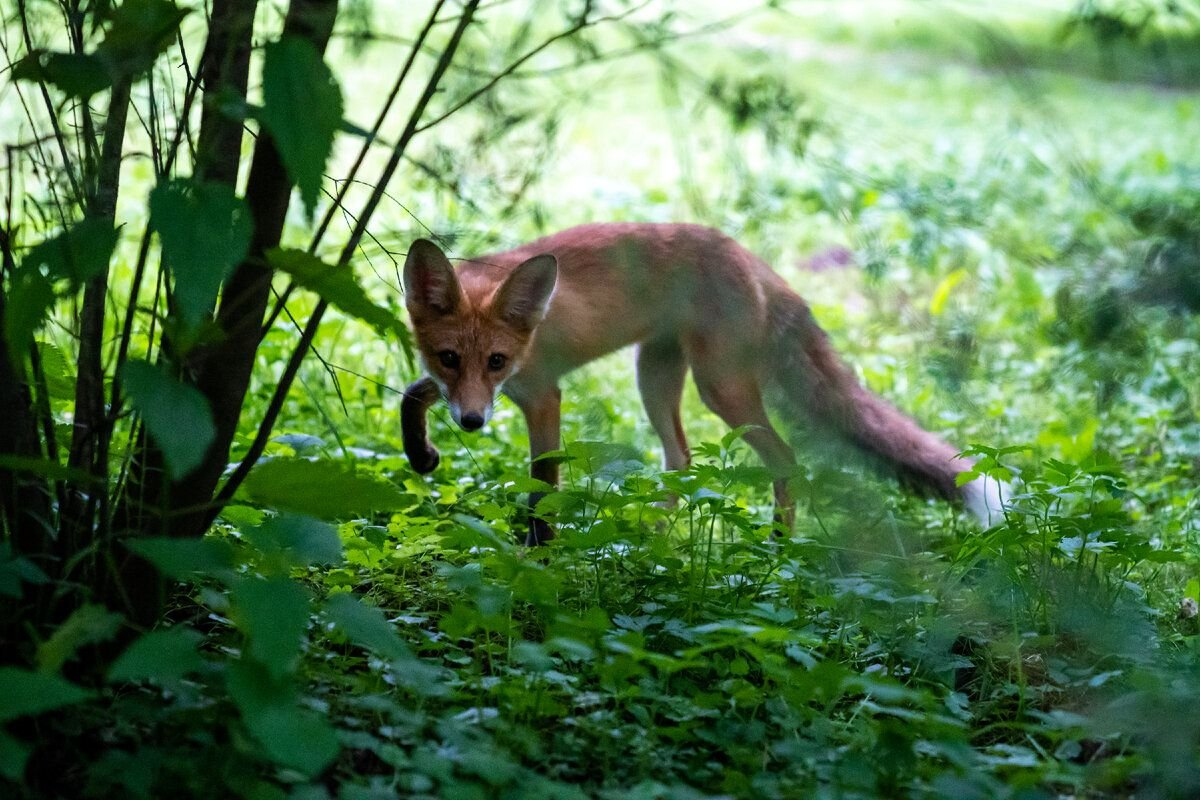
{"x":686,"y":296}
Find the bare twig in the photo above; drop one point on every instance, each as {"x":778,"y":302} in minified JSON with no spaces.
{"x":293,"y":366}
{"x":281,"y":301}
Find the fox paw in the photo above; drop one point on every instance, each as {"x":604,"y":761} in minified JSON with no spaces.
{"x":425,"y":460}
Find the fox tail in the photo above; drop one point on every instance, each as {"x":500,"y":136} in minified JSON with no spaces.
{"x":814,"y":378}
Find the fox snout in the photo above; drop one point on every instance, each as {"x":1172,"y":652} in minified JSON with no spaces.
{"x":469,"y":418}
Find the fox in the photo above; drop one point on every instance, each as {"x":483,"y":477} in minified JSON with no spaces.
{"x":687,"y":297}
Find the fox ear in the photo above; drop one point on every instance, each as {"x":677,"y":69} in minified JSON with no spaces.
{"x":429,"y":281}
{"x":524,"y":296}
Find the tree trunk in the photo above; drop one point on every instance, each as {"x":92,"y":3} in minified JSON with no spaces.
{"x":92,"y":427}
{"x":224,"y":373}
{"x":153,"y":506}
{"x":225,"y":68}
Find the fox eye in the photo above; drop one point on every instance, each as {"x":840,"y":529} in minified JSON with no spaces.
{"x":448,"y":359}
{"x":496,"y":361}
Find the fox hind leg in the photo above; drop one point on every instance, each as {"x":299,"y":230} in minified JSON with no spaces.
{"x":737,"y":399}
{"x":661,"y":370}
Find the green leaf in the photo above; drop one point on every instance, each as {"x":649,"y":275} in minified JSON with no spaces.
{"x":302,"y":110}
{"x":338,"y":287}
{"x":138,"y":32}
{"x":165,"y":656}
{"x":78,"y":254}
{"x":30,"y":299}
{"x":273,"y":614}
{"x":60,"y":381}
{"x":48,"y":469}
{"x":87,"y":625}
{"x":205,"y":232}
{"x":965,"y":477}
{"x":297,"y":540}
{"x":14,"y":755}
{"x":15,"y":570}
{"x":253,"y":688}
{"x":365,"y":625}
{"x":290,"y":736}
{"x":183,"y":559}
{"x":176,"y":415}
{"x":299,"y":739}
{"x":77,"y":75}
{"x":242,"y":516}
{"x":320,"y":489}
{"x":24,"y":693}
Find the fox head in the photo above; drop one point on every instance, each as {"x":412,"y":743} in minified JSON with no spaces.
{"x":472,"y":341}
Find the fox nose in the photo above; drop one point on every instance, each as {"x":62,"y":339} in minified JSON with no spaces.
{"x":472,"y":422}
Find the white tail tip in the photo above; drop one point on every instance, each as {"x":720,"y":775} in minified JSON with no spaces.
{"x":984,"y":497}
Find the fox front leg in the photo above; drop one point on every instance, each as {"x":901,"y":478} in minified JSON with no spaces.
{"x":418,"y":397}
{"x":542,"y":417}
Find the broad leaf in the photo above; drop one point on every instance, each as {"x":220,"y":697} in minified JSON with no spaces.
{"x":139,"y":30}
{"x":164,"y":656}
{"x":89,"y":624}
{"x":297,"y":540}
{"x":48,"y":469}
{"x":205,"y":231}
{"x":76,"y":75}
{"x":295,"y":738}
{"x":365,"y":625}
{"x":176,"y":415}
{"x":291,"y":737}
{"x":15,"y":570}
{"x":273,"y":614}
{"x":183,"y":559}
{"x":23,"y":693}
{"x":29,"y":301}
{"x":338,"y":287}
{"x":78,"y":254}
{"x":253,"y":688}
{"x":302,"y":110}
{"x":13,"y":757}
{"x":60,"y":381}
{"x":320,"y":488}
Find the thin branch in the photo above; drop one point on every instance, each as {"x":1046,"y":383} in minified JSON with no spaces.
{"x":379,"y":119}
{"x":282,"y":299}
{"x":580,"y":25}
{"x":135,"y":285}
{"x":310,"y":330}
{"x":89,"y":435}
{"x":54,"y":125}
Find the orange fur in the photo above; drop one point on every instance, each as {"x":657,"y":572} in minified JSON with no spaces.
{"x":689,"y":297}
